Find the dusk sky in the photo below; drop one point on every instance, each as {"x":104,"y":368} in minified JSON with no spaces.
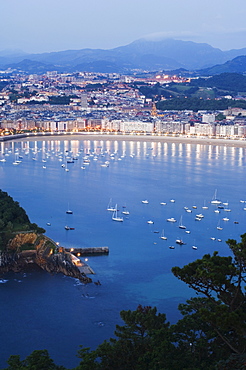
{"x":54,"y":25}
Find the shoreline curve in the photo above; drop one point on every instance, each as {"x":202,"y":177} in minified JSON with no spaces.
{"x":240,"y":143}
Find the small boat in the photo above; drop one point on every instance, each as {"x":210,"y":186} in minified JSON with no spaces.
{"x":181,"y":226}
{"x":171,"y":219}
{"x":48,"y":223}
{"x":187,"y":231}
{"x":163,"y":237}
{"x":215,"y":200}
{"x":110,"y":207}
{"x":219,"y":240}
{"x":204,"y":205}
{"x":225,"y":219}
{"x":212,"y":238}
{"x":179,"y":241}
{"x":172,"y":200}
{"x":200,"y":215}
{"x":198,"y":219}
{"x":194,"y":247}
{"x":195,"y":207}
{"x":188,"y":210}
{"x":236,"y":222}
{"x":115,"y":216}
{"x":171,"y":247}
{"x":125,"y":211}
{"x":219,"y":227}
{"x":163,"y":203}
{"x":217,"y":211}
{"x":69,"y":228}
{"x":150,"y":222}
{"x":68,"y":211}
{"x":145,"y":201}
{"x":227,"y":210}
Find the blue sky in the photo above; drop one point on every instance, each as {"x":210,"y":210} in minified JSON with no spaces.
{"x":53,"y":25}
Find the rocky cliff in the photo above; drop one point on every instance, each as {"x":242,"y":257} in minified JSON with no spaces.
{"x":30,"y":248}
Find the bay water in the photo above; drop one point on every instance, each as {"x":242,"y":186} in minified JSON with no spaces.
{"x":43,"y":311}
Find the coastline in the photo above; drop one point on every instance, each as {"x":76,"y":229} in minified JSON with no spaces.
{"x":241,"y":143}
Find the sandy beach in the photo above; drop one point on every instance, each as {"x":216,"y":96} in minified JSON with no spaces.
{"x":148,"y":138}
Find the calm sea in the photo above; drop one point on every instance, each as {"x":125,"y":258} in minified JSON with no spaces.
{"x":42,"y":311}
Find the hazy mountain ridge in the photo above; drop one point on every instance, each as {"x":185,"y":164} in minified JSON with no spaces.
{"x":141,"y":54}
{"x":236,"y":65}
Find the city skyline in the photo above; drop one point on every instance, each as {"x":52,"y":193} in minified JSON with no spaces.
{"x":55,"y":26}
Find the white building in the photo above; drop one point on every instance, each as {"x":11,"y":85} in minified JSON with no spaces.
{"x":208,"y":118}
{"x":136,"y":126}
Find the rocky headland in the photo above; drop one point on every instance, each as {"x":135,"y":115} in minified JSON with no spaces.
{"x":27,"y":249}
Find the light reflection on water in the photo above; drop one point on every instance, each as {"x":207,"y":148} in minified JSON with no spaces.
{"x":58,"y":313}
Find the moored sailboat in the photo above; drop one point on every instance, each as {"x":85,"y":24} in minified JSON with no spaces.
{"x":115,"y":216}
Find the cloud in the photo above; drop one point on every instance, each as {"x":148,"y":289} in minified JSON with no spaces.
{"x":158,"y":36}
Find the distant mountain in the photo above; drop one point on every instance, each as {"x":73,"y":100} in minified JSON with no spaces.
{"x":31,"y":66}
{"x":167,"y":54}
{"x":236,"y":65}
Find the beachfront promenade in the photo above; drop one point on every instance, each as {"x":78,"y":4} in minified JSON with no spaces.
{"x":119,"y":136}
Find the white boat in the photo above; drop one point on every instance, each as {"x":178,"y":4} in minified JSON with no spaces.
{"x":217,"y":211}
{"x":198,"y":219}
{"x":163,"y":237}
{"x":204,"y":205}
{"x":171,"y":219}
{"x":188,"y":210}
{"x":195,"y":207}
{"x":172,"y":200}
{"x":200,"y":215}
{"x":225,"y":219}
{"x":219,"y":227}
{"x":179,"y":241}
{"x":163,"y":203}
{"x":150,"y":222}
{"x":69,"y":212}
{"x":187,"y":231}
{"x":115,"y":216}
{"x":125,"y":212}
{"x":145,"y":201}
{"x":16,"y":161}
{"x":194,"y":247}
{"x":110,"y":207}
{"x":181,"y":226}
{"x":215,"y":200}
